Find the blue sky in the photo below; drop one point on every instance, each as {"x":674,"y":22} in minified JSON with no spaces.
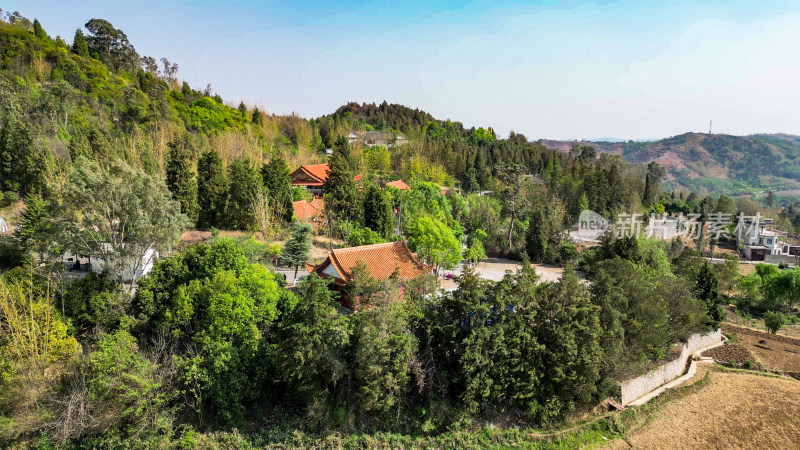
{"x":559,"y":70}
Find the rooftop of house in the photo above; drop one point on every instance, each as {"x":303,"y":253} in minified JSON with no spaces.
{"x":399,"y":184}
{"x":381,"y":261}
{"x":304,"y":209}
{"x":313,"y":174}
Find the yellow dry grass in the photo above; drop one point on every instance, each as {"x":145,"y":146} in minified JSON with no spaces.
{"x":735,"y":410}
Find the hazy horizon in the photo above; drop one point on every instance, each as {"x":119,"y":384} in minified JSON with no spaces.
{"x":550,"y":70}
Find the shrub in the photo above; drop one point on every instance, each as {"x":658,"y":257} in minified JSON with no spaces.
{"x":8,"y":198}
{"x":12,"y":254}
{"x":774,"y":321}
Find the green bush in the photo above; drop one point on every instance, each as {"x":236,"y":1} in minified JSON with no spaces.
{"x":774,"y":321}
{"x":12,"y":254}
{"x":8,"y":198}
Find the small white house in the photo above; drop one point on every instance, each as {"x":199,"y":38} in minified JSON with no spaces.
{"x":135,"y":270}
{"x":3,"y":226}
{"x":758,"y":241}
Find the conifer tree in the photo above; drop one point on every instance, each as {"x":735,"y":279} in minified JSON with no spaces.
{"x":256,"y":117}
{"x":38,"y":31}
{"x":180,"y":179}
{"x":707,"y":291}
{"x":276,"y":178}
{"x":652,"y":183}
{"x":34,"y":225}
{"x":244,"y":180}
{"x":378,"y":212}
{"x":313,"y":343}
{"x":79,"y":146}
{"x":297,"y":248}
{"x":79,"y":45}
{"x":101,"y":149}
{"x":212,"y":190}
{"x":342,"y":198}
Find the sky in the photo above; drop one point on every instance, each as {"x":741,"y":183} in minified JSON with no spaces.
{"x":549,"y":69}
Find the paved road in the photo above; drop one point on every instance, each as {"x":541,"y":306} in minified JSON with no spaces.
{"x":289,"y":274}
{"x":495,"y":269}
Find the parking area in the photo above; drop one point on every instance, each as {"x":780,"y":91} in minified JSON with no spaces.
{"x":494,"y":269}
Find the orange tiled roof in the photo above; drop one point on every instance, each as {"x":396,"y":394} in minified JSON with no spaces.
{"x":399,"y":184}
{"x":310,"y":175}
{"x":313,"y":175}
{"x":381,"y":260}
{"x":304,"y":210}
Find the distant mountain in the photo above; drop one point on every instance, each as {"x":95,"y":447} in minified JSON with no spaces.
{"x":717,"y":162}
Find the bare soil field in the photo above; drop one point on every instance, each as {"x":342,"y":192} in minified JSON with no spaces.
{"x":780,"y":353}
{"x":736,"y":409}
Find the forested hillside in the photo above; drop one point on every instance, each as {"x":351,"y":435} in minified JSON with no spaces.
{"x":716,"y":162}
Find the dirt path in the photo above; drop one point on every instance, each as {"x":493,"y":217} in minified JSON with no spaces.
{"x":736,"y":410}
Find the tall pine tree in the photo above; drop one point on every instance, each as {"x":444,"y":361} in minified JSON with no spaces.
{"x":180,"y":179}
{"x":244,"y":181}
{"x":342,"y":198}
{"x":378,"y":211}
{"x":212,"y":190}
{"x":276,"y":178}
{"x":79,"y":45}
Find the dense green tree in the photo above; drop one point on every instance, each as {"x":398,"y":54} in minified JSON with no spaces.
{"x":79,"y":146}
{"x":111,"y":45}
{"x":313,"y":344}
{"x":570,"y":362}
{"x":244,"y":182}
{"x":277,"y":179}
{"x":434,"y":242}
{"x":257,"y":117}
{"x":633,"y":315}
{"x":296,"y":251}
{"x":475,"y":251}
{"x":212,"y":190}
{"x":342,"y":198}
{"x":378,"y":212}
{"x":35,"y":232}
{"x":782,"y":289}
{"x":707,"y":291}
{"x":127,"y":395}
{"x":363,"y":236}
{"x":180,"y":179}
{"x":79,"y":45}
{"x":513,"y":197}
{"x":38,"y":31}
{"x":774,"y":321}
{"x":653,"y":183}
{"x":95,"y":302}
{"x":211,"y":301}
{"x":101,"y":149}
{"x":117,"y":215}
{"x":24,"y":163}
{"x":726,"y":205}
{"x":545,"y":233}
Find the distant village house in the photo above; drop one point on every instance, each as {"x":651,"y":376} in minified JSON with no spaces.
{"x":370,"y":138}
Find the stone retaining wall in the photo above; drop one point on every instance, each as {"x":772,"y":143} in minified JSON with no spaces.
{"x":634,"y":388}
